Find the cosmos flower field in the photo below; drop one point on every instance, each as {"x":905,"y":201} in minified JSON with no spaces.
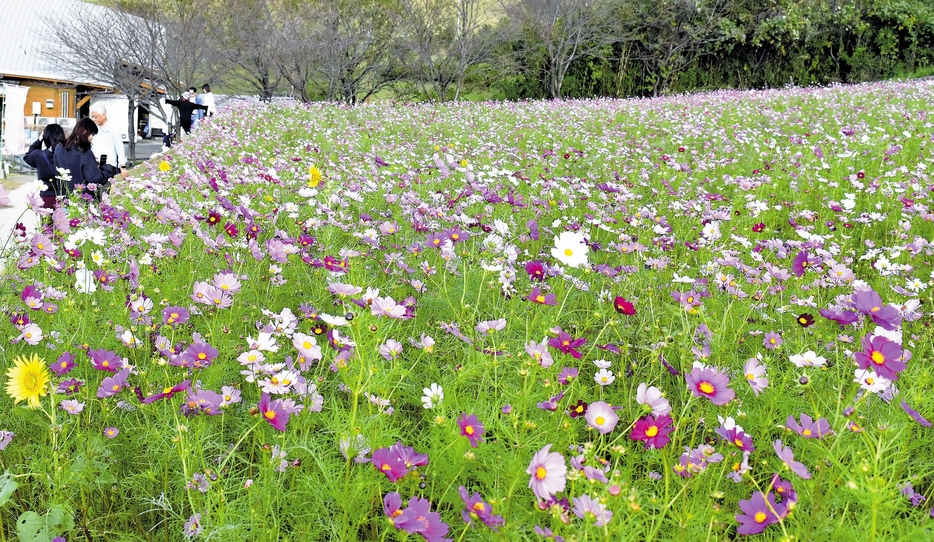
{"x":700,"y":317}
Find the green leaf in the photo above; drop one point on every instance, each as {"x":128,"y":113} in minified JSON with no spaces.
{"x":7,"y":486}
{"x":31,"y":527}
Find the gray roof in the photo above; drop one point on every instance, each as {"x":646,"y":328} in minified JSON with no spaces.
{"x":23,"y":31}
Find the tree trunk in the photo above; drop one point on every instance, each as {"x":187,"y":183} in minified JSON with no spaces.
{"x":131,"y":129}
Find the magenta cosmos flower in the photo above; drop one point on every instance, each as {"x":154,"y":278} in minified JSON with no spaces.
{"x":711,"y":384}
{"x":652,"y":431}
{"x":882,"y":355}
{"x":549,"y":473}
{"x":624,"y":307}
{"x":273,"y":412}
{"x":471,"y":428}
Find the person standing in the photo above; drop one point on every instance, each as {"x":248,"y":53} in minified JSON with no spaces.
{"x":207,"y":98}
{"x":41,"y":159}
{"x":197,"y":114}
{"x":75,"y":155}
{"x":107,"y":143}
{"x":185,"y":107}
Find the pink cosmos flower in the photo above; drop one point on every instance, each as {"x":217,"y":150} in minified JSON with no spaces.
{"x":539,"y":352}
{"x":549,"y":473}
{"x":389,"y":463}
{"x":711,"y":384}
{"x":477,"y":509}
{"x":105,"y":360}
{"x":387,"y":306}
{"x":537,"y":296}
{"x":869,"y":303}
{"x":585,"y":505}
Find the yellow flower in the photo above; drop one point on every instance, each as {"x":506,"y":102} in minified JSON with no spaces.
{"x":314,"y":177}
{"x":29,"y":378}
{"x":164,"y":166}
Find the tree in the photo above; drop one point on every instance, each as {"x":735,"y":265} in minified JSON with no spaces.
{"x":671,"y":34}
{"x":564,"y":30}
{"x":448,"y":39}
{"x":248,"y":31}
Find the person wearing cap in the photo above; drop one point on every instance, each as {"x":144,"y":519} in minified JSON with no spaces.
{"x":185,"y":108}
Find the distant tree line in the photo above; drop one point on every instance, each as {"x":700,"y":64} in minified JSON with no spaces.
{"x":441,"y":50}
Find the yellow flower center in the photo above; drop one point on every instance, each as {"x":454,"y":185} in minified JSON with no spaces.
{"x":706,"y":387}
{"x":651,"y":431}
{"x":599,"y":420}
{"x":806,"y":432}
{"x":568,"y":252}
{"x":469,"y":430}
{"x":877,"y":358}
{"x":760,"y":517}
{"x":270,"y":415}
{"x":540,"y":473}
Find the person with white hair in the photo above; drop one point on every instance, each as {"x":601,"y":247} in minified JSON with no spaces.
{"x":107,"y":143}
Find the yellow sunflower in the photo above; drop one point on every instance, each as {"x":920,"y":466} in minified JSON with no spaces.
{"x":28,"y":379}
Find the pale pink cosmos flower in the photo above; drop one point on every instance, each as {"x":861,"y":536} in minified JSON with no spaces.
{"x":549,"y":473}
{"x":651,"y":397}
{"x":387,"y":306}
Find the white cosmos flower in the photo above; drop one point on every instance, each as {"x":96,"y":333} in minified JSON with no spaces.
{"x":808,"y":359}
{"x":570,"y":249}
{"x":433,"y":396}
{"x":604,"y":377}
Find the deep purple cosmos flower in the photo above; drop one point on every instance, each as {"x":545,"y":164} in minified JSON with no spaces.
{"x":476,"y":509}
{"x":567,"y":344}
{"x":756,"y":514}
{"x":809,"y":428}
{"x":471,"y":428}
{"x":881,"y":355}
{"x":869,"y":303}
{"x":787,"y":455}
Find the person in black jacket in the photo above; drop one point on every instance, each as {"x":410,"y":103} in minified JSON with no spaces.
{"x":41,"y":159}
{"x":185,"y":108}
{"x":75,"y":155}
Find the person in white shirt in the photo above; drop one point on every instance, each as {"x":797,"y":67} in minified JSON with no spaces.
{"x":107,"y":143}
{"x":207,"y":98}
